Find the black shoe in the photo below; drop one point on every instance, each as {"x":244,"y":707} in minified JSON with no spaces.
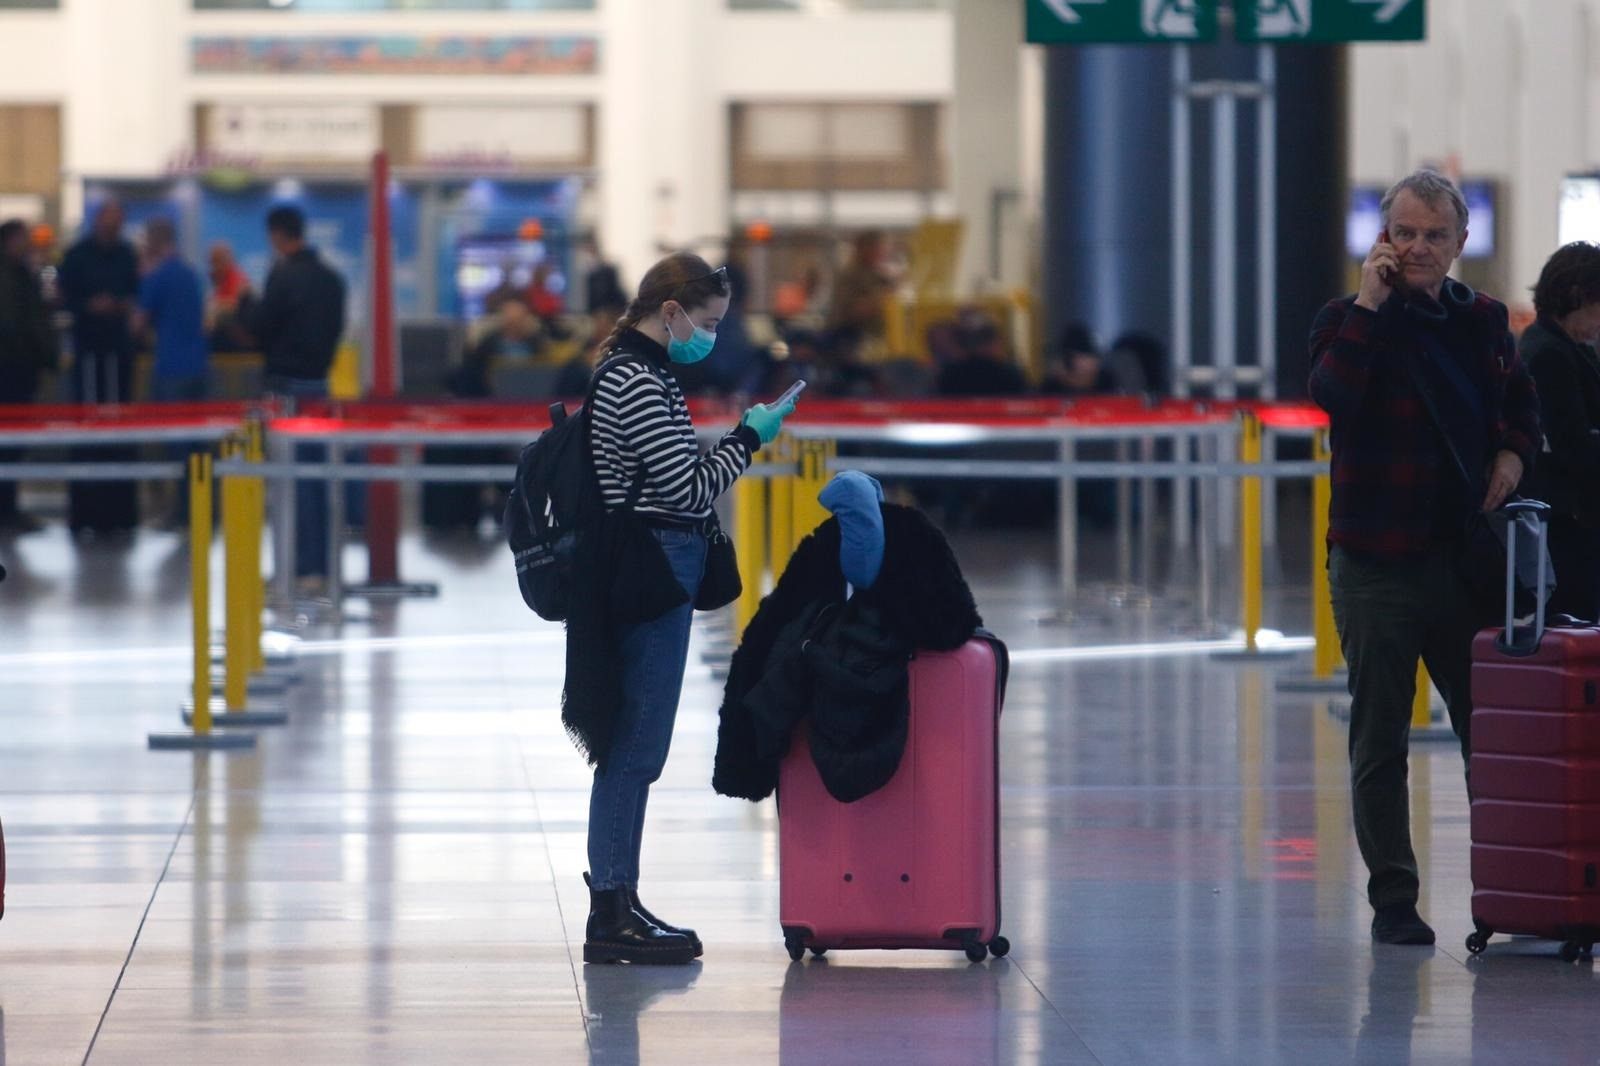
{"x":618,"y":933}
{"x":639,"y":909}
{"x":1399,"y":923}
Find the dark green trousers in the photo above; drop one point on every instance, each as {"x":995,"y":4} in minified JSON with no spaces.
{"x":1389,"y":614}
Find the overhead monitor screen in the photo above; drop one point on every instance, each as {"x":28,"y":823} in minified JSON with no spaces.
{"x":1364,"y":221}
{"x":1579,"y":218}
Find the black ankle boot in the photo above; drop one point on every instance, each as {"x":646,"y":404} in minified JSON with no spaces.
{"x":618,"y":933}
{"x":638,"y":908}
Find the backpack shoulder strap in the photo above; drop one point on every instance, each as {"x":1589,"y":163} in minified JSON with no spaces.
{"x":613,"y":358}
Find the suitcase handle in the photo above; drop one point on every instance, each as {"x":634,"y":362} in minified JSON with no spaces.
{"x":1512,"y":511}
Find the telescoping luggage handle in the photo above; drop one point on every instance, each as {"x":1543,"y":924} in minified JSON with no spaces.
{"x":1541,"y":511}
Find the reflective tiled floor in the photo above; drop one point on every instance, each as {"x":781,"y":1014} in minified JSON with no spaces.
{"x":394,"y":877}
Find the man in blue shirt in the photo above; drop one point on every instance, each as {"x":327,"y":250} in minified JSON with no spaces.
{"x":173,"y":306}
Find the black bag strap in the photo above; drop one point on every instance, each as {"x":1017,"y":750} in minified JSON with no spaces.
{"x":1429,"y":402}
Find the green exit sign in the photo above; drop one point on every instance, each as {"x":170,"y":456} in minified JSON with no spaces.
{"x":1121,"y":21}
{"x":1330,"y":21}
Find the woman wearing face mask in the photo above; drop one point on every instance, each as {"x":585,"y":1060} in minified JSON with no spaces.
{"x":628,"y":640}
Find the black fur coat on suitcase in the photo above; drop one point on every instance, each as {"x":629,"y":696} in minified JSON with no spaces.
{"x":841,"y":666}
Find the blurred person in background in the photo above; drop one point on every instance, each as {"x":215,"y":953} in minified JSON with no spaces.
{"x":99,"y":285}
{"x":543,"y":296}
{"x":861,"y":292}
{"x":232,"y":301}
{"x":172,"y":306}
{"x":299,"y":324}
{"x":99,"y":281}
{"x":1075,"y":368}
{"x":27,"y":348}
{"x":983,"y":365}
{"x":602,"y":285}
{"x":1559,"y":350}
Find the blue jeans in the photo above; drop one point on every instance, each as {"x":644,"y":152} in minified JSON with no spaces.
{"x":310,"y":494}
{"x":654,"y":655}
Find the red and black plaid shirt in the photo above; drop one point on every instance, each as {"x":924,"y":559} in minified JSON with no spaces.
{"x":1389,"y":462}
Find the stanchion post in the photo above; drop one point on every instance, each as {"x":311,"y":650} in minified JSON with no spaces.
{"x":200,"y":485}
{"x":1250,"y":531}
{"x":1326,"y":656}
{"x":237,"y":598}
{"x":256,"y":513}
{"x":1422,"y":700}
{"x":201,"y":735}
{"x":781,"y":502}
{"x":750,"y":542}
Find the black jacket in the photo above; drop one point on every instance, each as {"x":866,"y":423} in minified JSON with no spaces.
{"x":1567,"y":374}
{"x":852,"y":682}
{"x":91,"y":269}
{"x":27,"y":337}
{"x":300,"y":319}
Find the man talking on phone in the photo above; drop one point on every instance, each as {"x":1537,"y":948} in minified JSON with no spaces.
{"x":1433,"y":417}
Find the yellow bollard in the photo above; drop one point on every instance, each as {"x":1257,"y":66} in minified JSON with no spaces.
{"x":781,"y":504}
{"x":750,"y":542}
{"x":1250,"y":532}
{"x":1327,"y":654}
{"x":808,"y":510}
{"x":256,"y":510}
{"x":1422,"y":701}
{"x":238,"y":597}
{"x":200,"y":585}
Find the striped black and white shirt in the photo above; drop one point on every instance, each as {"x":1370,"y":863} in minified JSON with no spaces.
{"x":640,"y":429}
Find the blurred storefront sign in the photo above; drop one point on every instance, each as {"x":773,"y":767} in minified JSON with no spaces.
{"x":294,"y":133}
{"x":392,"y":55}
{"x":543,"y":135}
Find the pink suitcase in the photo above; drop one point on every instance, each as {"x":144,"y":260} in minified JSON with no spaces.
{"x":1536,"y":782}
{"x":917,"y":863}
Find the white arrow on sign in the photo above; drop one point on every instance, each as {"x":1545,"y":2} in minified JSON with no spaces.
{"x":1389,"y":9}
{"x":1063,"y":9}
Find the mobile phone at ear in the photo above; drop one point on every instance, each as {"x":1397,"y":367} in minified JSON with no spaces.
{"x":791,"y":393}
{"x":1386,"y":273}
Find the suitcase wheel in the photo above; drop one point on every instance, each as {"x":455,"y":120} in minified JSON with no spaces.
{"x":796,"y":949}
{"x":1477,"y":942}
{"x":976,"y":951}
{"x":1573,"y":950}
{"x":999,"y":947}
{"x":817,"y":953}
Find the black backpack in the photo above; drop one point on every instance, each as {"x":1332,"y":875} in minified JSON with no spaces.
{"x":555,"y":486}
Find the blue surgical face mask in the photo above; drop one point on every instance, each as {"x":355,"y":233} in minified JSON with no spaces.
{"x":696,"y":348}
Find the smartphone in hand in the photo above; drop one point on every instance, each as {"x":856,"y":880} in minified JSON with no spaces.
{"x":791,"y":393}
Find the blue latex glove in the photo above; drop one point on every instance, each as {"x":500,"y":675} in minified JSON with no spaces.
{"x":767,"y":421}
{"x":856,"y":499}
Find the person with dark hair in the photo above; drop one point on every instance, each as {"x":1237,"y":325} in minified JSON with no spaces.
{"x":1433,"y":420}
{"x":1075,"y":367}
{"x":640,"y":567}
{"x":100,"y":284}
{"x":983,"y":365}
{"x":99,"y":281}
{"x":1559,"y":349}
{"x":27,"y":348}
{"x":298,"y":324}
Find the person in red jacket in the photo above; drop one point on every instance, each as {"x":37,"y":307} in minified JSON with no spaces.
{"x":1402,"y":501}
